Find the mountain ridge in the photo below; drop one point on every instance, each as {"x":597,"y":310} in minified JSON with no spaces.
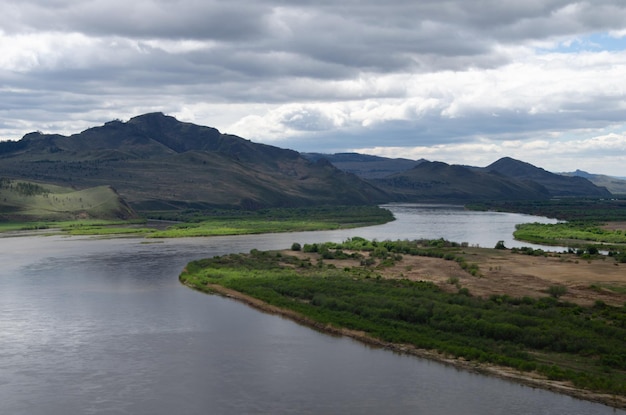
{"x":615,"y":185}
{"x":438,"y":181}
{"x":556,"y":184}
{"x":158,"y":162}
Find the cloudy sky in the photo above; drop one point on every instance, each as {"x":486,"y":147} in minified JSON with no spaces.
{"x":460,"y":81}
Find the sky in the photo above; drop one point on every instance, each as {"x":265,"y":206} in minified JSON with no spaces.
{"x":458,"y":81}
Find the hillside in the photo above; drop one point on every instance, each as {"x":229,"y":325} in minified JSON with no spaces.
{"x":159,"y":163}
{"x":518,"y":180}
{"x":556,"y":184}
{"x":28,"y":201}
{"x":614,"y":185}
{"x":364,"y":165}
{"x":441,"y":182}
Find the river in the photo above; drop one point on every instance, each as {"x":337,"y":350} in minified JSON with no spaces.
{"x":102,"y":326}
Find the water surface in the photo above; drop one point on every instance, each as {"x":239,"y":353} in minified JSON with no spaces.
{"x":102,"y":326}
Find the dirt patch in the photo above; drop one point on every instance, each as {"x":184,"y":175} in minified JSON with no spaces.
{"x":614,"y":226}
{"x":504,"y":272}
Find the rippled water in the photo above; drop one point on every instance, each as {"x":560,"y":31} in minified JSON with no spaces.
{"x":102,"y":326}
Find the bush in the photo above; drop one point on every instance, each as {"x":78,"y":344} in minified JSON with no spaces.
{"x":557,"y":290}
{"x":296,"y":246}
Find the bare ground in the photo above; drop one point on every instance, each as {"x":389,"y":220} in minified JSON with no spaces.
{"x":513,"y":274}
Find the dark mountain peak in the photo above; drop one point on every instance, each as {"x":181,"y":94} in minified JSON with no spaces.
{"x":32,"y":136}
{"x":581,"y":173}
{"x":445,"y":169}
{"x":159,"y":163}
{"x":152,"y":117}
{"x":520,"y":169}
{"x":556,"y":184}
{"x":439,"y":181}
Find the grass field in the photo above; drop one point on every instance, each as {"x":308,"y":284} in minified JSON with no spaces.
{"x":23,"y":201}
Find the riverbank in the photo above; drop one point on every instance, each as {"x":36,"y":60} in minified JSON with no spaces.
{"x":220,"y":223}
{"x":532,"y":380}
{"x":485,"y":310}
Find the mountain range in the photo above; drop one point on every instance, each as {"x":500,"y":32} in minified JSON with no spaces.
{"x":156,"y":163}
{"x":616,"y":185}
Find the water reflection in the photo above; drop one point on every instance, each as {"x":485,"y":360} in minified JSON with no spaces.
{"x":103,"y":326}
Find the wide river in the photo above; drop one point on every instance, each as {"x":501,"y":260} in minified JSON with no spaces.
{"x":102,"y":326}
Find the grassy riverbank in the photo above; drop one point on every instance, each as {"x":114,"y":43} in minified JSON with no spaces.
{"x":596,"y":224}
{"x":225,"y":222}
{"x":574,"y":234}
{"x":363,"y":287}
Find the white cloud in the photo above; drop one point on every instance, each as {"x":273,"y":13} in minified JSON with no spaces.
{"x":446,"y":78}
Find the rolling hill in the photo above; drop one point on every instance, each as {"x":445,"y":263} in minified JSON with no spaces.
{"x":28,"y":201}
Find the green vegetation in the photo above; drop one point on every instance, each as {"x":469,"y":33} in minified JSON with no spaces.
{"x":560,"y":340}
{"x":232,"y":222}
{"x":566,"y":233}
{"x":584,"y":230}
{"x":79,"y":227}
{"x":227,"y":222}
{"x":569,"y":209}
{"x":23,"y":201}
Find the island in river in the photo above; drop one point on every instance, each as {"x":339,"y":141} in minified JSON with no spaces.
{"x":554,"y":321}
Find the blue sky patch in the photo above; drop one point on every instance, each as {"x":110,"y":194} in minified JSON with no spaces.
{"x":596,"y":42}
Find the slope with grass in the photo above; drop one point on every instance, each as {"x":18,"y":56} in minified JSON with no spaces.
{"x":22,"y":200}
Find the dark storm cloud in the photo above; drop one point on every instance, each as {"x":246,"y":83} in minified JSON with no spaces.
{"x":367,"y":35}
{"x":232,"y":20}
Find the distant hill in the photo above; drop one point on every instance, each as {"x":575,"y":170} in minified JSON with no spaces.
{"x":615,"y":185}
{"x":510,"y":179}
{"x":441,"y":182}
{"x":364,"y":165}
{"x":27,"y":201}
{"x":556,"y":184}
{"x":159,"y":163}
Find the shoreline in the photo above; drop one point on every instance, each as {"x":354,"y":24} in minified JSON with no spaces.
{"x":528,"y":379}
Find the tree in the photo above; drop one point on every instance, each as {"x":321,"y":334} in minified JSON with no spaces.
{"x":500,"y":245}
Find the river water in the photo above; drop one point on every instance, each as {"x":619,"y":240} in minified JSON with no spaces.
{"x":102,"y":326}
